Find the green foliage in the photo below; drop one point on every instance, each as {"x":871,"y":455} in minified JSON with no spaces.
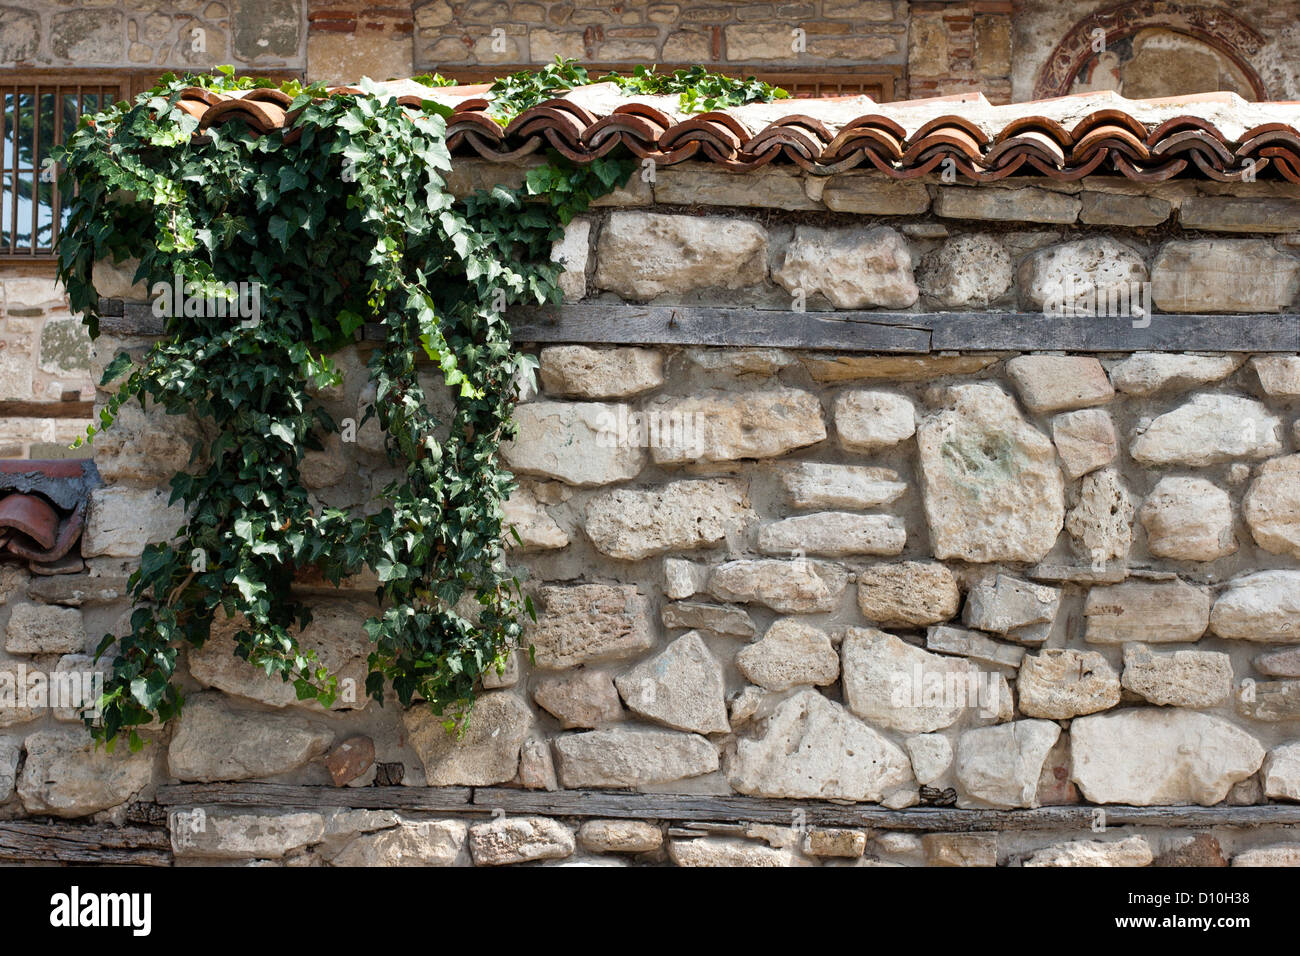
{"x":513,"y":94}
{"x":351,"y":223}
{"x":435,"y":79}
{"x":699,"y":90}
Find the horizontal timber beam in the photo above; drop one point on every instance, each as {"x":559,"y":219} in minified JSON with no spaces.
{"x":715,"y":809}
{"x":846,"y":331}
{"x":24,"y":841}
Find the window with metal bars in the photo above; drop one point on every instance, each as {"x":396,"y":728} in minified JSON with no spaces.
{"x":37,"y":113}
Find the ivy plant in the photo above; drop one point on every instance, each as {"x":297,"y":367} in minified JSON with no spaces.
{"x":340,"y":220}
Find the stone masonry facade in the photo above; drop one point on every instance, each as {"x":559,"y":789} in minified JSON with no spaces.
{"x":977,"y":580}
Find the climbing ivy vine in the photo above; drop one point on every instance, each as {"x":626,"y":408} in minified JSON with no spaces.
{"x":342,"y":219}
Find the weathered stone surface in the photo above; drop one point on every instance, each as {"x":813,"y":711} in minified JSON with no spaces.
{"x":838,"y":843}
{"x":1184,"y":757}
{"x":813,"y":748}
{"x":790,"y":587}
{"x":215,"y":742}
{"x":630,"y":525}
{"x":44,"y":629}
{"x":122,"y":520}
{"x":908,"y":594}
{"x":1118,"y":209}
{"x":486,"y":754}
{"x":1286,"y":854}
{"x":576,"y":371}
{"x":834,"y":534}
{"x":537,"y":765}
{"x":1209,"y":429}
{"x":727,"y":852}
{"x":145,"y":447}
{"x":525,"y":512}
{"x":703,"y":184}
{"x":714,"y":618}
{"x":1272,"y":506}
{"x":1200,"y":849}
{"x":17,"y":706}
{"x":1279,"y":375}
{"x":1239,"y":213}
{"x":1085,"y":441}
{"x":1157,"y":612}
{"x":423,"y":843}
{"x":683,"y":579}
{"x":864,"y":193}
{"x":811,"y":484}
{"x":897,"y":368}
{"x":681,"y":687}
{"x":223,"y":835}
{"x":1021,"y":610}
{"x":1059,"y":383}
{"x":350,"y":759}
{"x":966,"y":272}
{"x":1080,"y":277}
{"x":1223,"y":275}
{"x":581,"y":623}
{"x":336,"y":635}
{"x":1269,"y":700}
{"x":1101,"y":522}
{"x":790,"y":654}
{"x":620,"y":836}
{"x":893,"y":684}
{"x":632,"y":758}
{"x":1147,"y":373}
{"x":641,"y":255}
{"x":11,"y":749}
{"x":573,"y":251}
{"x":990,"y":482}
{"x":584,"y":699}
{"x":1188,"y":519}
{"x":66,"y":775}
{"x":975,"y":645}
{"x":1264,"y":606}
{"x":1282,"y":773}
{"x":931,"y":756}
{"x":519,"y":840}
{"x":960,"y":849}
{"x":1059,"y":683}
{"x":579,"y":443}
{"x":1000,"y":766}
{"x":854,"y":269}
{"x":866,"y":421}
{"x":1018,"y":205}
{"x":1285,"y":663}
{"x":1179,"y":678}
{"x":1131,"y":851}
{"x":725,"y":426}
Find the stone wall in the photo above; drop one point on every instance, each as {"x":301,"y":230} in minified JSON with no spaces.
{"x":980,"y":580}
{"x":265,"y":33}
{"x":44,"y":358}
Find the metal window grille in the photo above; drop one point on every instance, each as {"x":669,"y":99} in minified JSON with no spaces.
{"x":36,"y":114}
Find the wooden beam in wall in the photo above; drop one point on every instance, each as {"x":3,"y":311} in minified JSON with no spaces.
{"x":891,"y":332}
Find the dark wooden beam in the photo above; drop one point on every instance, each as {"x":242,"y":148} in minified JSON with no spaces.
{"x":441,"y":799}
{"x":23,"y":841}
{"x":21,"y":409}
{"x":710,"y":808}
{"x":847,"y":331}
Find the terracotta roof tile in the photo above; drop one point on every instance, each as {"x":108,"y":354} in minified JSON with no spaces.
{"x":1214,"y":135}
{"x":43,"y":509}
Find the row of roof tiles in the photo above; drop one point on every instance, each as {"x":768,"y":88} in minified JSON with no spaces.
{"x":1216,"y":135}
